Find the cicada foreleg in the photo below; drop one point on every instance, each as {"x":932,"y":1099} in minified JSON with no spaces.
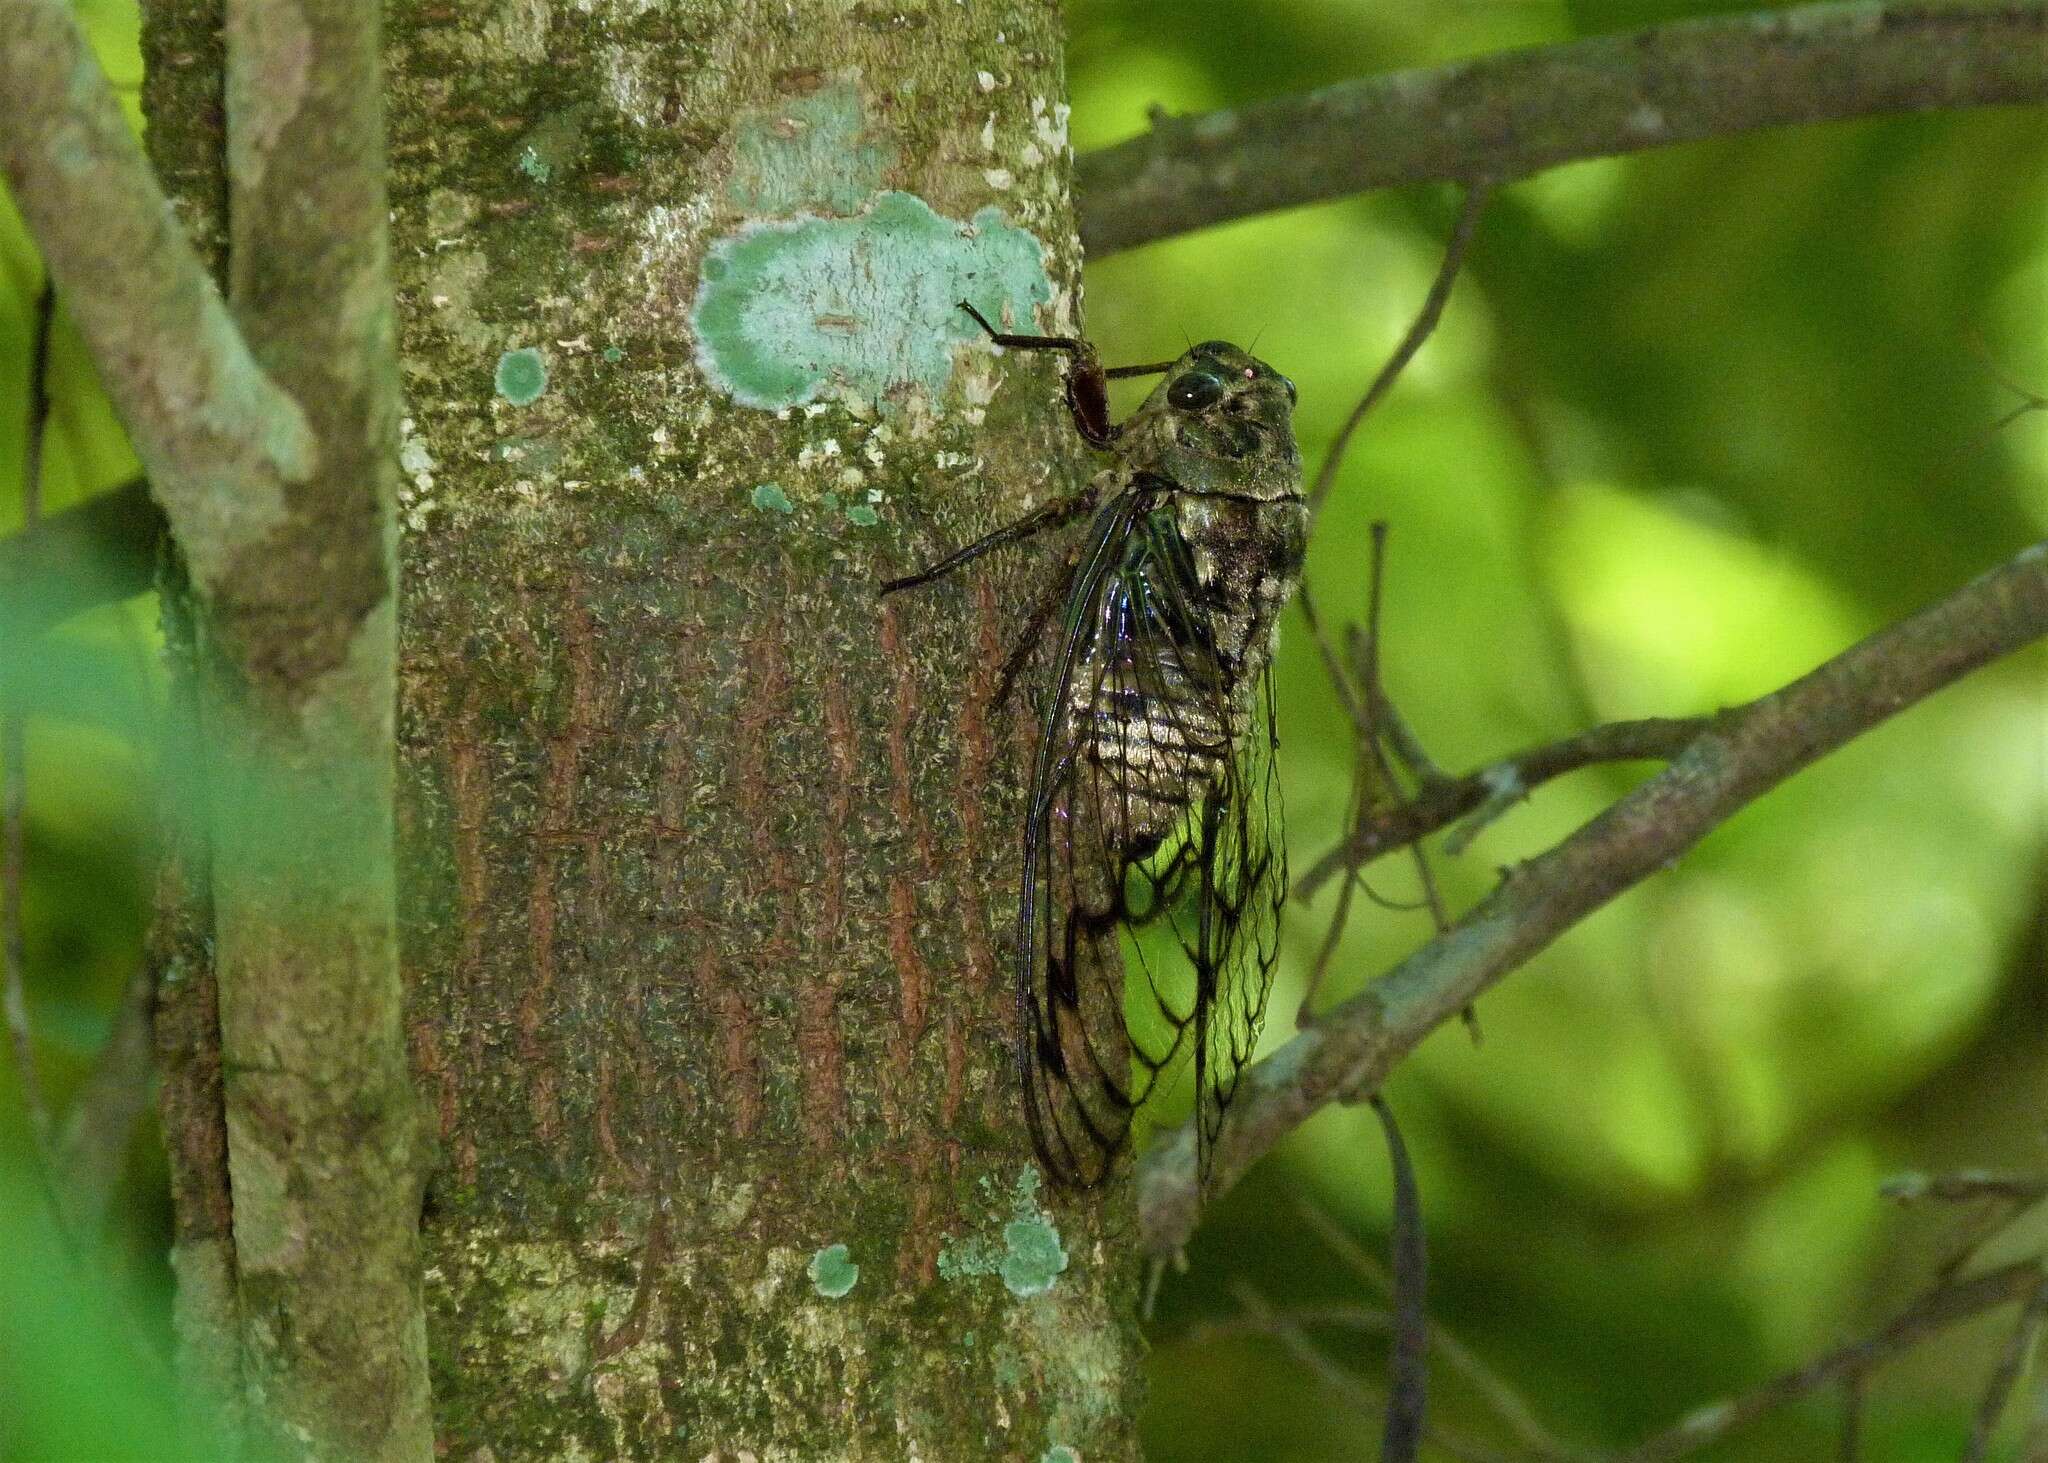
{"x":1037,"y":521}
{"x":1087,"y":380}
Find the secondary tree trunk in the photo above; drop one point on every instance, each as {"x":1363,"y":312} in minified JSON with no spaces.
{"x":708,"y":856}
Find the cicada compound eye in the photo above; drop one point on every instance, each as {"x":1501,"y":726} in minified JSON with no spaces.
{"x":1194,"y":391}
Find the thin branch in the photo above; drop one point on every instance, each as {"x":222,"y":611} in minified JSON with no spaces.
{"x":325,"y":1136}
{"x":1965,"y":1185}
{"x":1262,"y":1318}
{"x":1498,"y":785}
{"x":93,"y":553}
{"x":2012,"y":1362}
{"x":1408,"y":1364}
{"x":1742,"y":755}
{"x":14,"y":778}
{"x":1419,"y":330}
{"x":1361,"y":726}
{"x":1506,"y":1403}
{"x":1380,"y":713}
{"x":1375,"y":786}
{"x":1935,"y":1312}
{"x":221,"y":442}
{"x":1515,"y":113}
{"x":1399,"y":735}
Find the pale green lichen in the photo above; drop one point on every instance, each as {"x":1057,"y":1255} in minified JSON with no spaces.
{"x":612,"y":355}
{"x":1059,"y":1453}
{"x":832,"y":1273}
{"x":810,"y":154}
{"x":522,"y":376}
{"x":1034,"y":1257}
{"x":868,"y":306}
{"x":534,"y":166}
{"x":1030,"y":1258}
{"x":769,"y":497}
{"x":862,"y":516}
{"x":960,"y":1259}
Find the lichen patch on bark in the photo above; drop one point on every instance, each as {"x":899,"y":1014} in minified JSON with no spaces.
{"x":790,"y":310}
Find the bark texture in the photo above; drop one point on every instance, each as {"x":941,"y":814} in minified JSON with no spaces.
{"x":709,"y":855}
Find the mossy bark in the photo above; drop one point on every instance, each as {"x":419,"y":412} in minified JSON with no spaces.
{"x":708,"y":855}
{"x":184,"y":72}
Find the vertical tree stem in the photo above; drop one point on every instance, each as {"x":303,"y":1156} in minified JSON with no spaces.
{"x":324,"y":1159}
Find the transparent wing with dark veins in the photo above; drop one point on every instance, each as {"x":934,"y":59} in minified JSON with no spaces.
{"x":1153,"y":800}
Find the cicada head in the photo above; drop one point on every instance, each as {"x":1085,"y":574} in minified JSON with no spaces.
{"x":1221,"y":420}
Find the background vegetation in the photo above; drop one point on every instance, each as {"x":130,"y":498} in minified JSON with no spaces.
{"x":1694,"y":421}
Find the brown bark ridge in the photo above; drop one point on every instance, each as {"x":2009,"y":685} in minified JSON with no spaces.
{"x":708,"y":854}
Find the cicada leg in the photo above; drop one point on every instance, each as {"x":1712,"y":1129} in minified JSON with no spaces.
{"x":1038,"y":520}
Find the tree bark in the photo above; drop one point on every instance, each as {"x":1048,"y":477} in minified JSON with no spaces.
{"x":708,"y":854}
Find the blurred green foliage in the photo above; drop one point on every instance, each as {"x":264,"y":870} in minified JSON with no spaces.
{"x":1694,"y":421}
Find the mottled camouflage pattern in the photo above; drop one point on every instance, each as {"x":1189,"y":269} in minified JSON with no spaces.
{"x":1229,"y":477}
{"x":1153,"y":796}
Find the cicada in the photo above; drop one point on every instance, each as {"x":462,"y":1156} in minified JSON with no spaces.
{"x":1154,"y":799}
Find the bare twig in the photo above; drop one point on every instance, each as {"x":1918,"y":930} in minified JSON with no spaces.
{"x":1332,"y":665}
{"x":1394,"y":728}
{"x":1509,"y":115}
{"x":1374,"y":784}
{"x":1965,"y":1185}
{"x":1936,"y":1311}
{"x":14,"y":778}
{"x":1851,"y":1450}
{"x":1499,"y":1394}
{"x":1367,"y":653}
{"x":1443,"y":801}
{"x":1469,"y":209}
{"x":1372,"y":781}
{"x":2026,"y":1332}
{"x":1368,"y":1319}
{"x":1262,"y":1318}
{"x":1740,"y":756}
{"x":1990,"y":1203}
{"x":1408,"y":1365}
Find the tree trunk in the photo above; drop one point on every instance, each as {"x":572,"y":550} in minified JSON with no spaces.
{"x":708,"y":856}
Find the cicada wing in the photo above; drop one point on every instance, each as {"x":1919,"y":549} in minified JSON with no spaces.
{"x":1221,"y":889}
{"x":1153,"y":799}
{"x":1072,"y":1059}
{"x":1233,"y":941}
